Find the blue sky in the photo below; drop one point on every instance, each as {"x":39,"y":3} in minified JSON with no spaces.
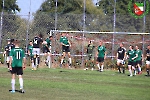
{"x":30,"y":5}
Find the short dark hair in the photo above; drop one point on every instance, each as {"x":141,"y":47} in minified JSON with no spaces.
{"x":12,"y":40}
{"x":40,"y":35}
{"x":50,"y":36}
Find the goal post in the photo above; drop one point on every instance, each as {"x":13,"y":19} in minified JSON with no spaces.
{"x":111,"y":40}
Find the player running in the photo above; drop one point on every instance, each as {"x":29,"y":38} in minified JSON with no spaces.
{"x":131,"y":54}
{"x":47,"y":50}
{"x":37,"y":41}
{"x":17,"y":63}
{"x":138,"y":57}
{"x":148,"y":60}
{"x":30,"y":53}
{"x":101,"y":56}
{"x":121,"y":55}
{"x":65,"y":48}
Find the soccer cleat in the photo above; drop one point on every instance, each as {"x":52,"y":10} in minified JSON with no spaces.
{"x":131,"y":75}
{"x":101,"y":70}
{"x":22,"y":90}
{"x":13,"y":91}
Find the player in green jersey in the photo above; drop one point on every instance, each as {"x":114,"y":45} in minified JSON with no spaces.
{"x":47,"y":50}
{"x":138,"y":59}
{"x":65,"y":48}
{"x":17,"y":63}
{"x":101,"y":56}
{"x":30,"y":53}
{"x":131,"y":55}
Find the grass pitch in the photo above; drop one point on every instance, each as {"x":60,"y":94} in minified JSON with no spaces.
{"x":65,"y":84}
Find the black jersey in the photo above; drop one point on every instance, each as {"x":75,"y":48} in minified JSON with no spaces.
{"x":36,"y":42}
{"x":90,"y":48}
{"x":148,"y":53}
{"x":8,"y":48}
{"x":121,"y":53}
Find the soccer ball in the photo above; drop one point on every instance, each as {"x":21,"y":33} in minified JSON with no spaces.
{"x":44,"y":42}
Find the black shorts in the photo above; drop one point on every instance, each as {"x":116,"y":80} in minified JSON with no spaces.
{"x":100,"y":59}
{"x":65,"y":48}
{"x":45,"y":50}
{"x":17,"y":70}
{"x":139,"y":62}
{"x":132,"y":63}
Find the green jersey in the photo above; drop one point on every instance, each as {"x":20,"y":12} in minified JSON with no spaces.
{"x":30,"y":48}
{"x":17,"y":55}
{"x":139,"y":53}
{"x":101,"y":51}
{"x":64,"y":40}
{"x":48,"y":42}
{"x":131,"y":54}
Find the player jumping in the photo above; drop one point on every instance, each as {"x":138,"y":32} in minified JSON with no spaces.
{"x":47,"y":50}
{"x":65,"y":48}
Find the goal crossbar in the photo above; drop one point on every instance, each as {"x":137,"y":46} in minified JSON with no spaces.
{"x":134,"y":33}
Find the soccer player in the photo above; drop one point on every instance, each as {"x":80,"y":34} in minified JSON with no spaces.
{"x":37,"y":41}
{"x":65,"y":48}
{"x":131,"y":54}
{"x":138,"y":57}
{"x":30,"y":53}
{"x":17,"y":63}
{"x":148,"y":60}
{"x":121,"y":54}
{"x":90,"y":56}
{"x":101,"y":55}
{"x":47,"y":49}
{"x":8,"y":48}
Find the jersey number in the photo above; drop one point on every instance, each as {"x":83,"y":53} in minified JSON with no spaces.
{"x":35,"y":41}
{"x":18,"y":55}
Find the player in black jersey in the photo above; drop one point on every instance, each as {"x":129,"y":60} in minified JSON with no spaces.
{"x":148,"y":60}
{"x":37,"y":41}
{"x":121,"y":54}
{"x":8,"y":47}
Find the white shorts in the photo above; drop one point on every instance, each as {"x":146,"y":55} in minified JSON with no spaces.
{"x":36,"y":51}
{"x":120,"y":61}
{"x":147,"y":62}
{"x":7,"y":59}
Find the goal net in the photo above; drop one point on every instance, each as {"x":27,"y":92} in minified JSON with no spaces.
{"x":111,"y":40}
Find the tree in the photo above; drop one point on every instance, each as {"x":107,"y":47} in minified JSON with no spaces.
{"x":69,"y":15}
{"x":10,"y":6}
{"x":124,"y":20}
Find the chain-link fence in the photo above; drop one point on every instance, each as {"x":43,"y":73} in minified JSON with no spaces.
{"x":13,"y":26}
{"x":79,"y":41}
